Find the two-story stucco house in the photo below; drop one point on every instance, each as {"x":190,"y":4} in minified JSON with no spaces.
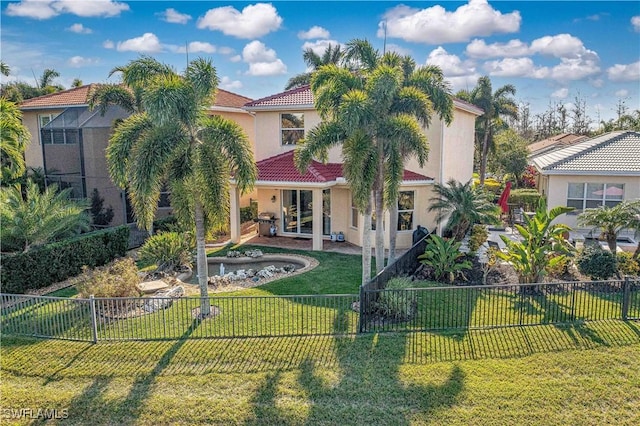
{"x":318,"y":202}
{"x":68,"y":142}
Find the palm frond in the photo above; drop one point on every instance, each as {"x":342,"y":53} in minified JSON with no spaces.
{"x":317,"y":144}
{"x":118,"y":152}
{"x":106,"y":95}
{"x":202,"y":76}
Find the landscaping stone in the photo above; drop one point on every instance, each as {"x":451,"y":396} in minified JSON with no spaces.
{"x":150,"y":287}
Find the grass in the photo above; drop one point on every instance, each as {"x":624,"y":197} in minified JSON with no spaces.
{"x":545,"y":375}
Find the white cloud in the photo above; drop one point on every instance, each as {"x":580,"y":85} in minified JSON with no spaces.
{"x":516,"y":67}
{"x":79,"y":61}
{"x":560,"y":93}
{"x":622,"y":93}
{"x":262,"y":60}
{"x":435,"y":25}
{"x":236,"y":58}
{"x":319,"y":46}
{"x":513,"y":48}
{"x":45,"y":9}
{"x":313,"y":33}
{"x":225,"y":50}
{"x":619,"y":72}
{"x":108,"y":44}
{"x":391,"y":47}
{"x":227,"y":83}
{"x":559,"y":46}
{"x":575,"y":69}
{"x":451,"y":65}
{"x":635,"y":21}
{"x":466,"y":82}
{"x":196,"y":47}
{"x":254,"y":20}
{"x":79,"y":29}
{"x":174,"y":17}
{"x":146,"y":43}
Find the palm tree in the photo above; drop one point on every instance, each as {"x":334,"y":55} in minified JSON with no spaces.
{"x":543,"y":244}
{"x":463,"y":206}
{"x":4,"y":69}
{"x":39,"y":218}
{"x":174,"y":142}
{"x":380,"y":101}
{"x":15,"y":137}
{"x":76,"y":82}
{"x":332,"y":55}
{"x":496,"y":106}
{"x":611,"y":220}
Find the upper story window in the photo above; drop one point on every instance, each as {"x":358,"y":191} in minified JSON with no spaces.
{"x":43,"y":120}
{"x":354,"y":214}
{"x":405,"y":210}
{"x":291,"y":128}
{"x":592,"y":195}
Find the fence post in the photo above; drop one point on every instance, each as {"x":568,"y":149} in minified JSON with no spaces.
{"x":625,"y":298}
{"x":361,"y":309}
{"x":94,"y":319}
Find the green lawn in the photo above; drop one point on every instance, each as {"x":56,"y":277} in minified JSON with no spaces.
{"x":544,"y":375}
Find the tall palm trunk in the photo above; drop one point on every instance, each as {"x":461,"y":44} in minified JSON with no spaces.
{"x":612,"y":241}
{"x":379,"y":195}
{"x":483,"y":158}
{"x":366,"y":245}
{"x":201,"y":261}
{"x":393,"y":232}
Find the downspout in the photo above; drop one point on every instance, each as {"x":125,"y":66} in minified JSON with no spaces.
{"x":441,"y":177}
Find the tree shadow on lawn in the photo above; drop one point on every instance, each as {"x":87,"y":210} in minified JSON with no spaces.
{"x":369,"y":389}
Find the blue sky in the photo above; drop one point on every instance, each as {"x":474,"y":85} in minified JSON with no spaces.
{"x":550,"y":51}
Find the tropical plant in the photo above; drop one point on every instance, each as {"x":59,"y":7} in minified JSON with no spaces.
{"x":169,"y":251}
{"x":374,"y":109}
{"x":496,"y":106}
{"x":462,"y":206}
{"x":174,"y":142}
{"x":15,"y":137}
{"x":611,"y":220}
{"x":100,"y":215}
{"x":76,"y":82}
{"x":510,"y":157}
{"x":395,"y":302}
{"x":478,"y":237}
{"x":117,"y":279}
{"x":332,"y":55}
{"x":444,"y":257}
{"x":543,"y":244}
{"x":627,"y":265}
{"x":39,"y":217}
{"x":4,"y":69}
{"x":597,"y":263}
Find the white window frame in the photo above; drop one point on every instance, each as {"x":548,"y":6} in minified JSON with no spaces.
{"x":355,"y":215}
{"x":412,"y":211}
{"x":584,"y":198}
{"x":50,"y":117}
{"x":283,"y":129}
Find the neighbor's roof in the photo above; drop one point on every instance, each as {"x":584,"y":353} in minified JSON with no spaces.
{"x":615,"y":153}
{"x":302,"y":98}
{"x":79,"y":96}
{"x":554,"y":142}
{"x":281,"y":168}
{"x":71,"y":97}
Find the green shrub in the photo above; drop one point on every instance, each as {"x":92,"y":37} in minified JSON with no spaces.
{"x":443,"y":256}
{"x":166,"y":224}
{"x":117,"y":279}
{"x":479,"y":235}
{"x":167,"y":250}
{"x":559,"y":268}
{"x":528,"y":199}
{"x":58,"y":261}
{"x":597,"y":263}
{"x":249,"y":213}
{"x":627,"y":265}
{"x":396,"y":303}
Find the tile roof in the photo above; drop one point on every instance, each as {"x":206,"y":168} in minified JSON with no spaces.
{"x":74,"y":96}
{"x":229,"y":99}
{"x":281,"y":168}
{"x":553,"y":142}
{"x":79,"y":96}
{"x":611,"y":153}
{"x":299,"y":96}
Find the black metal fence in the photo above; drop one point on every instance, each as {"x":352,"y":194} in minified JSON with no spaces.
{"x":418,"y":309}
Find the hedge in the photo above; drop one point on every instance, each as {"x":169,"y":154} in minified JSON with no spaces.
{"x":55,"y":262}
{"x":526,"y":198}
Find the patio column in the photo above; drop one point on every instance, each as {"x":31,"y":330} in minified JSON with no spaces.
{"x":317,"y":219}
{"x":234,"y":211}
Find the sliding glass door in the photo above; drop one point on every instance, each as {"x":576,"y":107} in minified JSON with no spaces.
{"x":297,"y":211}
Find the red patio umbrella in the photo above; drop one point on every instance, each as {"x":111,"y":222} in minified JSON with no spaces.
{"x":502,"y":201}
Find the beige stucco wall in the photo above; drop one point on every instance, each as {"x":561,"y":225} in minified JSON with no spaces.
{"x":33,"y":153}
{"x":557,"y":187}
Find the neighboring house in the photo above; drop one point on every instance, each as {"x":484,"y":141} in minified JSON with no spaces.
{"x":600,"y":171}
{"x":554,"y":142}
{"x":68,"y":142}
{"x":319,"y":202}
